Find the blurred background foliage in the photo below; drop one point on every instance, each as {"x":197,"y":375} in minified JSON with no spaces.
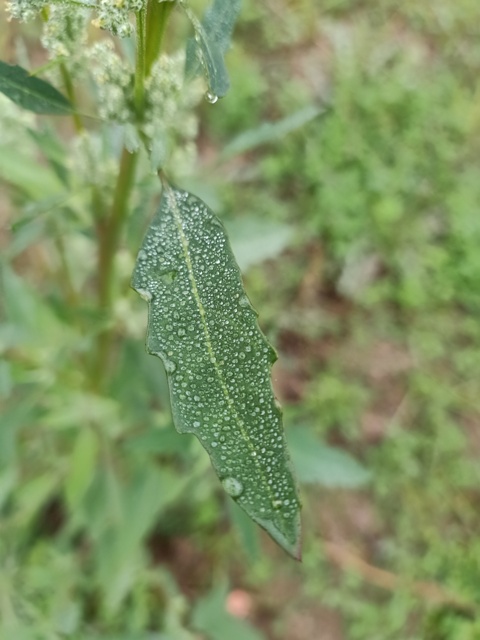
{"x":344,"y":161}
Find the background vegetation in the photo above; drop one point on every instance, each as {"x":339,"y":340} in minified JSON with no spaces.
{"x":358,"y":233}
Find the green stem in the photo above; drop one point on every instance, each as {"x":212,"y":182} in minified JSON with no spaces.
{"x":109,"y":232}
{"x":70,"y":91}
{"x":157,"y":17}
{"x":151,"y":23}
{"x":66,"y":276}
{"x":112,"y":228}
{"x":140,"y":66}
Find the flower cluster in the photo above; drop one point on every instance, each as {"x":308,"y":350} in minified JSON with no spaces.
{"x":169,"y":120}
{"x":113,"y":80}
{"x":114,"y":15}
{"x":92,"y":162}
{"x":65,"y":31}
{"x":25,"y":9}
{"x":168,"y":124}
{"x":111,"y":15}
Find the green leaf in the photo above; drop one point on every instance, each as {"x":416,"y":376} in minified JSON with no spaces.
{"x":27,"y":174}
{"x":254,"y":240}
{"x":270,"y":131}
{"x":31,"y":92}
{"x":202,"y":326}
{"x":320,"y":464}
{"x":246,"y":530}
{"x":212,"y":40}
{"x":81,"y":467}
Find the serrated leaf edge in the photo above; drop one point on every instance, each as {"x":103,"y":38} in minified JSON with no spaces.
{"x":269,"y":525}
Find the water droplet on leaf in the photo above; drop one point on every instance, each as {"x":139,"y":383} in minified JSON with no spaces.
{"x":169,"y":365}
{"x":211,"y":97}
{"x":233,"y":487}
{"x":168,"y":276}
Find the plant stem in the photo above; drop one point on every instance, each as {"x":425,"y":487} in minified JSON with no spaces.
{"x":109,"y":232}
{"x":70,"y":91}
{"x":151,"y":23}
{"x":66,"y":277}
{"x":112,"y":229}
{"x":157,"y":17}
{"x":140,"y":66}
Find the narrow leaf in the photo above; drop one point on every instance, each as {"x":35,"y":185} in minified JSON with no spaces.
{"x":81,"y":467}
{"x":202,"y":326}
{"x":212,"y":41}
{"x":25,"y":173}
{"x":320,"y":464}
{"x":255,"y":240}
{"x":31,"y":92}
{"x":270,"y":131}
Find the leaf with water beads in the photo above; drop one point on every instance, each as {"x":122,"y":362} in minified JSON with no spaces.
{"x":203,"y":327}
{"x":212,"y":41}
{"x":31,"y":92}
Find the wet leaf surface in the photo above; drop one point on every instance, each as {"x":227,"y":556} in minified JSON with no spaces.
{"x":204,"y":329}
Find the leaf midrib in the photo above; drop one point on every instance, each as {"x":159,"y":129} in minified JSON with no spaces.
{"x":191,"y":275}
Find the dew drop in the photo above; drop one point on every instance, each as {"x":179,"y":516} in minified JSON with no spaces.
{"x":169,"y":365}
{"x":233,"y":487}
{"x":211,"y":97}
{"x":196,"y":424}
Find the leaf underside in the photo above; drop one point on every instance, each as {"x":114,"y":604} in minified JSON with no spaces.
{"x":212,"y":41}
{"x":203,"y":327}
{"x":30,"y":92}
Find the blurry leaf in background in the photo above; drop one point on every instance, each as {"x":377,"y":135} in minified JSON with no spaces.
{"x":25,"y":173}
{"x":270,"y":131}
{"x":254,"y":241}
{"x":134,"y":504}
{"x":246,"y":530}
{"x":30,"y":317}
{"x":212,"y":40}
{"x":211,"y":618}
{"x":317,"y":463}
{"x":165,"y":441}
{"x":53,"y":150}
{"x":81,"y":467}
{"x":31,"y":92}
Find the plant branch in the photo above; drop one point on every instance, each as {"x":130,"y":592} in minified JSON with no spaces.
{"x":157,"y":18}
{"x":109,"y":232}
{"x":151,"y":22}
{"x":140,"y":66}
{"x":70,"y":91}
